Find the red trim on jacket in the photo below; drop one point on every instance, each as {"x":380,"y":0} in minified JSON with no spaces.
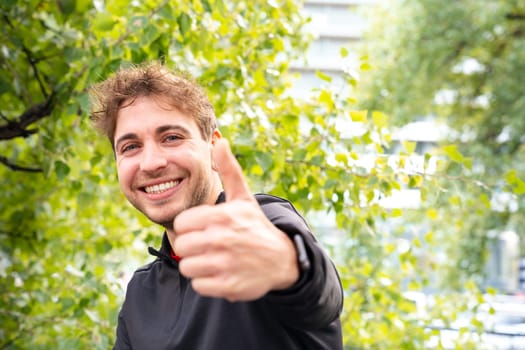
{"x":175,"y":256}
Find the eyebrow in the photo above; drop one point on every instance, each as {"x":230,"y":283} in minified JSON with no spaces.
{"x":161,"y":129}
{"x":128,"y":136}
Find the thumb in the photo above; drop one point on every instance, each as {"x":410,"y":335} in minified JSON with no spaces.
{"x":230,"y":171}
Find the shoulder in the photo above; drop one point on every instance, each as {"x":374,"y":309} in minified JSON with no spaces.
{"x":264,"y":198}
{"x":145,"y":272}
{"x":148,"y":267}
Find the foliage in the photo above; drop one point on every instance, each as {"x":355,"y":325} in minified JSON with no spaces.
{"x":67,"y":233}
{"x":462,"y":64}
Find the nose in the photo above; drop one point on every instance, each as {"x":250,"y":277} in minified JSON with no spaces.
{"x":153,"y":159}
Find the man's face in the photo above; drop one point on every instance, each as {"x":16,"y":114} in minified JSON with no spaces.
{"x":164,"y":166}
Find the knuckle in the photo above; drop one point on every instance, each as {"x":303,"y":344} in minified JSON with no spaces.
{"x":179,"y":246}
{"x":233,"y":287}
{"x":221,"y":238}
{"x":228,"y":217}
{"x":197,"y":286}
{"x":222,"y":264}
{"x":185,"y":268}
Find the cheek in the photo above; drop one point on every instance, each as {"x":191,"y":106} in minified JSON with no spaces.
{"x":189,"y":160}
{"x":124,"y":174}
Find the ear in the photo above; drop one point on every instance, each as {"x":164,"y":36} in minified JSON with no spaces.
{"x":214,"y":138}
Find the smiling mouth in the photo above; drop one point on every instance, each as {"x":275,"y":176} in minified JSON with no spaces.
{"x":159,"y":188}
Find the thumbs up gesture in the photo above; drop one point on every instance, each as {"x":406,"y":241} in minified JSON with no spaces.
{"x":231,"y":250}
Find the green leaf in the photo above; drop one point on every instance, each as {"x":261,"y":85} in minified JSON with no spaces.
{"x":452,"y":152}
{"x":67,"y":7}
{"x":167,"y":12}
{"x":429,"y":237}
{"x":359,"y":116}
{"x":61,"y":170}
{"x":265,"y":160}
{"x":323,"y":76}
{"x":103,"y":22}
{"x":83,"y":5}
{"x":83,"y":100}
{"x":317,"y":160}
{"x":396,"y":212}
{"x":409,"y":146}
{"x":138,"y":22}
{"x":432,"y":214}
{"x":299,"y":154}
{"x":259,"y":78}
{"x":325,"y":97}
{"x":365,"y":66}
{"x":206,"y":5}
{"x":150,"y":33}
{"x":517,"y":185}
{"x":222,"y":72}
{"x":342,"y":158}
{"x":184,"y":22}
{"x":415,"y":181}
{"x":5,"y":86}
{"x":379,"y":119}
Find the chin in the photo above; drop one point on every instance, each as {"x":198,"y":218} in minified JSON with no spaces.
{"x":164,"y":219}
{"x":164,"y":222}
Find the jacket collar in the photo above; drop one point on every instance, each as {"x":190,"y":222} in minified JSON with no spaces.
{"x":164,"y":252}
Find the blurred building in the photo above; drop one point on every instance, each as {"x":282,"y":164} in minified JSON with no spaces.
{"x":334,"y":24}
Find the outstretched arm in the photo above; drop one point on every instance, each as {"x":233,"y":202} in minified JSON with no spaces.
{"x":243,"y":250}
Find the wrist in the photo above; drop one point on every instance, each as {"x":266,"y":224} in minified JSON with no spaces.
{"x":287,"y":270}
{"x":297,"y":263}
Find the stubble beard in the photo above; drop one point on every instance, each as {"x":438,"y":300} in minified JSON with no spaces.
{"x":199,"y":196}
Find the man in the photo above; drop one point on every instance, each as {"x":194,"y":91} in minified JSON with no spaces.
{"x":235,"y":271}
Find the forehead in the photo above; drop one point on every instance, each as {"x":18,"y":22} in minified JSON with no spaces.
{"x":146,"y":114}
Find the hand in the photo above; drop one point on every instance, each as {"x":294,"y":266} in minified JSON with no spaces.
{"x":231,"y":250}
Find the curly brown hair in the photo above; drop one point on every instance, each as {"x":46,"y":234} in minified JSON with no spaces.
{"x":178,"y":89}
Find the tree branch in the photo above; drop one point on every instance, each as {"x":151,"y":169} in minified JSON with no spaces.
{"x":515,"y":16}
{"x":36,"y":72}
{"x":18,"y":127}
{"x":32,"y":61}
{"x":18,"y":235}
{"x":16,"y":167}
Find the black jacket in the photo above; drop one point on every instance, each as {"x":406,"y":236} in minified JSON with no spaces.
{"x":162,"y":311}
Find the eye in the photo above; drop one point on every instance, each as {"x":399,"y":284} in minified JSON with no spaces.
{"x":128,"y":148}
{"x":172,"y":138}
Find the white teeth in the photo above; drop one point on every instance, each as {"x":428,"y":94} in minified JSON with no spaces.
{"x":161,"y":187}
